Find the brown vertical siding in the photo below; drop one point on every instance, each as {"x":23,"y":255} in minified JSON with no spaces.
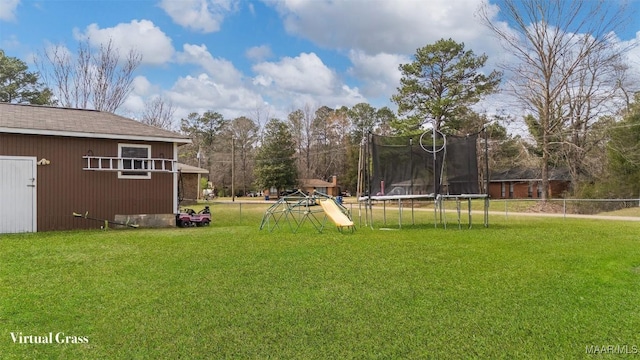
{"x":63,"y":187}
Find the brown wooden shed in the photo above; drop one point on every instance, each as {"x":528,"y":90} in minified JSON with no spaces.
{"x":56,"y":161}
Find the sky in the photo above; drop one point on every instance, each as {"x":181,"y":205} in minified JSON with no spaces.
{"x":261,"y":59}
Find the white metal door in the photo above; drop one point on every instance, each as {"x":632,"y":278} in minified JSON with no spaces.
{"x":17,"y":194}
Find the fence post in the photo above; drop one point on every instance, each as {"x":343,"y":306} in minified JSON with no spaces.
{"x":564,"y":208}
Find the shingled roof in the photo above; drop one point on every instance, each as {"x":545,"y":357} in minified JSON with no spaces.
{"x":316,"y":183}
{"x":47,"y":120}
{"x":188,"y":169}
{"x":530,"y":174}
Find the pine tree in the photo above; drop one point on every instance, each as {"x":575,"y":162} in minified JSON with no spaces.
{"x":440,"y":84}
{"x":17,"y":85}
{"x":275,"y":161}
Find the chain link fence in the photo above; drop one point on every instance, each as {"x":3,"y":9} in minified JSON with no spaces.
{"x":604,"y":207}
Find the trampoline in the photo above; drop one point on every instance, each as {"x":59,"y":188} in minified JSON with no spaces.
{"x":433,"y":168}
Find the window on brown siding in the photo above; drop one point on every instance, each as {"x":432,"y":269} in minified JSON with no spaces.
{"x":128,"y":154}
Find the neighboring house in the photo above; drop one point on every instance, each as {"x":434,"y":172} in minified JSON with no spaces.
{"x":408,"y":187}
{"x":57,"y":161}
{"x":522,"y":183}
{"x":189,"y":183}
{"x":325,"y":187}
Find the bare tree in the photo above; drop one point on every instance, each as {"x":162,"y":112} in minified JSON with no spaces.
{"x":211,"y":147}
{"x":159,"y":113}
{"x":588,"y":97}
{"x":261,"y":115}
{"x":302,"y":126}
{"x":627,"y":84}
{"x":244,"y":134}
{"x":553,"y":40}
{"x":339,"y":143}
{"x":323,"y":143}
{"x":101,"y":80}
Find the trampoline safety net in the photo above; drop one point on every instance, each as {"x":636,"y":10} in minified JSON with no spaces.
{"x":402,"y":166}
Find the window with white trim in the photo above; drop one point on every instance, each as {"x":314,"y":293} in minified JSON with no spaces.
{"x":129,"y":155}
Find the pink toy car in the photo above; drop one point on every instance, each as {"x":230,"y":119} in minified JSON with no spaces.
{"x":188,"y":217}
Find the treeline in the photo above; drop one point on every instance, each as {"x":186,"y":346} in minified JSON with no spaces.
{"x":567,"y":73}
{"x":310,"y":143}
{"x":323,"y":142}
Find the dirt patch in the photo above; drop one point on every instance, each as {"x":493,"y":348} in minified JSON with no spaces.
{"x":545,"y":207}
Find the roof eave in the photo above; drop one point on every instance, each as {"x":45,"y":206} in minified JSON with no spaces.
{"x":95,"y":135}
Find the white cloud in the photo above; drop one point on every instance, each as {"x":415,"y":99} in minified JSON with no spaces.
{"x":141,"y":86}
{"x":633,"y":57}
{"x":377,"y":36}
{"x":304,"y":73}
{"x":379,"y":73}
{"x":259,"y":53}
{"x":8,"y":10}
{"x":141,"y":36}
{"x":141,"y":92}
{"x":202,"y":93}
{"x":204,"y":16}
{"x":290,"y":82}
{"x":382,"y":26}
{"x":303,"y":80}
{"x":220,"y":70}
{"x":133,"y":106}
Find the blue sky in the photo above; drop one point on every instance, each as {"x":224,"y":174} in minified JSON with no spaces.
{"x":258,"y":59}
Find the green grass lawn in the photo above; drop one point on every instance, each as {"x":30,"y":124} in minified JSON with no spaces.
{"x":522,"y":288}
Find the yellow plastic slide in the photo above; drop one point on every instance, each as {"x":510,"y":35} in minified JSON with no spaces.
{"x":335,"y":214}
